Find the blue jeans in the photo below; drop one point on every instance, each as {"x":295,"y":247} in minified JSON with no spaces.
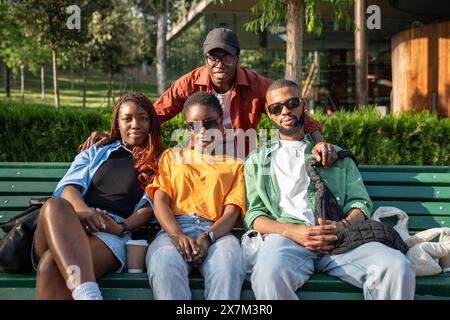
{"x":282,"y":266}
{"x":222,"y":268}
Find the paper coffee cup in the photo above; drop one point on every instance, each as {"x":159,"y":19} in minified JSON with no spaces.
{"x":136,"y":251}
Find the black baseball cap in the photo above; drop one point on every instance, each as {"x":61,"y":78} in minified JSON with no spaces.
{"x":222,"y":38}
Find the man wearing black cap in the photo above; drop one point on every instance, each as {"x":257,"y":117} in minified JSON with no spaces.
{"x":241,"y":92}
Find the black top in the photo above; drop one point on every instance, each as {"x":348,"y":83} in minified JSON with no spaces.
{"x":114,"y":186}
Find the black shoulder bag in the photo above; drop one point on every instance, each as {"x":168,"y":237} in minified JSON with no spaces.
{"x":352,"y":236}
{"x":15,"y":247}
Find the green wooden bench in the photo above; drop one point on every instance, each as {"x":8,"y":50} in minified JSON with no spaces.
{"x":422,"y":191}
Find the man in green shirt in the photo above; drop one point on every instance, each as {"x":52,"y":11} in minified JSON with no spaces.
{"x":280,"y":205}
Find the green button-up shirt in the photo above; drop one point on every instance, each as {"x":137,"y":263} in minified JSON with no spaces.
{"x":262,"y":194}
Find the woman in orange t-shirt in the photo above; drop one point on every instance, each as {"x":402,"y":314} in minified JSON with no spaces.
{"x":199,"y":197}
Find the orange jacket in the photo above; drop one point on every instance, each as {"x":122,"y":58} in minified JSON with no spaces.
{"x":247,"y":98}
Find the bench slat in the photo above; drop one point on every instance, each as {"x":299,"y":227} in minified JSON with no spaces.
{"x":396,"y":178}
{"x":21,"y":165}
{"x":422,"y":222}
{"x":408,"y":192}
{"x":6,"y":215}
{"x":147,"y":294}
{"x":14,"y":202}
{"x":437,"y":285}
{"x":405,"y":178}
{"x":17,"y":294}
{"x":411,"y":208}
{"x":377,"y":193}
{"x":416,"y":208}
{"x":403,"y":168}
{"x":28,"y":187}
{"x":30,"y":174}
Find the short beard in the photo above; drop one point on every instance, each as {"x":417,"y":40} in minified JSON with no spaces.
{"x":294,"y":129}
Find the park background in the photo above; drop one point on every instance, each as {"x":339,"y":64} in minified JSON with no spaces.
{"x":384,"y":92}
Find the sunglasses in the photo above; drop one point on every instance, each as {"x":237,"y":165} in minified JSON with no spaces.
{"x":227,"y":60}
{"x":276,"y":108}
{"x":196,"y":126}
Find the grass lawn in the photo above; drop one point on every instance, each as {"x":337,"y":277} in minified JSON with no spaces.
{"x":96,"y":93}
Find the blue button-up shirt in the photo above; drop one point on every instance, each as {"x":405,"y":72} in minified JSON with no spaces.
{"x":84,"y":167}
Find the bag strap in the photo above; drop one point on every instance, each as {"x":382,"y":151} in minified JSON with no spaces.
{"x":34,"y":203}
{"x":321,"y":189}
{"x":38,"y":201}
{"x":341,"y":154}
{"x":313,"y":163}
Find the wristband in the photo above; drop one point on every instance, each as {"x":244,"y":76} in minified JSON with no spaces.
{"x":125,"y":229}
{"x":210,"y":236}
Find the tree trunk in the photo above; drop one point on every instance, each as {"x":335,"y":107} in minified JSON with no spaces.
{"x":295,"y":17}
{"x":7,"y":82}
{"x":361,"y":56}
{"x":84,"y":85}
{"x":109,"y":87}
{"x":125,"y":82}
{"x":120,"y":84}
{"x":161,"y":76}
{"x":42,"y":82}
{"x":55,"y":79}
{"x":262,"y":49}
{"x":71,"y":77}
{"x":113,"y":98}
{"x":22,"y":83}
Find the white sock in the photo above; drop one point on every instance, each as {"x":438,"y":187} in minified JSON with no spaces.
{"x":87,"y":291}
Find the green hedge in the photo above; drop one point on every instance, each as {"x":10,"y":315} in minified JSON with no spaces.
{"x":38,"y":133}
{"x":407,"y":139}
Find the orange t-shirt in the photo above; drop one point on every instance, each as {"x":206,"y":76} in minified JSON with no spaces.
{"x":200,"y":184}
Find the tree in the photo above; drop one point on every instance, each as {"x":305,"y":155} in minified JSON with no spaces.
{"x":79,"y":54}
{"x":46,"y":21}
{"x":273,"y":13}
{"x":117,"y":39}
{"x":41,"y":56}
{"x":162,"y":11}
{"x":7,"y":28}
{"x":161,"y":46}
{"x":157,"y":10}
{"x":16,"y":49}
{"x":24,"y":53}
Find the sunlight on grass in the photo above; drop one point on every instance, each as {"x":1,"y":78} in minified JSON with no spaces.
{"x":96,"y":91}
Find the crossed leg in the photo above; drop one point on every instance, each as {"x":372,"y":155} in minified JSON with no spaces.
{"x":60,"y":243}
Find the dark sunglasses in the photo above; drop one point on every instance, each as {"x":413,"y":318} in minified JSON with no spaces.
{"x":196,"y":126}
{"x":227,"y":60}
{"x":276,"y":108}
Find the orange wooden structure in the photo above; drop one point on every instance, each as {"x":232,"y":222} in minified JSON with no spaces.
{"x":421,"y":69}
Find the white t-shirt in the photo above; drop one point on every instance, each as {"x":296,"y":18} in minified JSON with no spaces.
{"x":225,"y":102}
{"x":292,"y":180}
